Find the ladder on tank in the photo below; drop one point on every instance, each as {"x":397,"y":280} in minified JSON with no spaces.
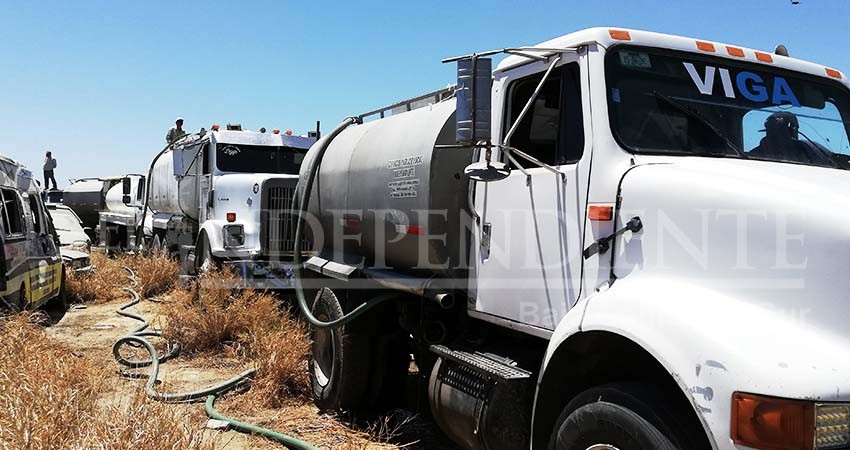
{"x":410,"y":104}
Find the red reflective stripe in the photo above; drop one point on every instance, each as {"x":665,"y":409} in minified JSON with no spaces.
{"x":413,"y":229}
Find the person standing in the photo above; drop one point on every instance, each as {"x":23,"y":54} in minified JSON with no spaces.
{"x":49,"y":167}
{"x":175,"y":132}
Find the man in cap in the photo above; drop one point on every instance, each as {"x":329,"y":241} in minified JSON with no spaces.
{"x":782,"y":142}
{"x":175,"y":132}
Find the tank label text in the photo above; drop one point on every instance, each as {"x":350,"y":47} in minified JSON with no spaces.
{"x":403,"y":188}
{"x":405,"y":162}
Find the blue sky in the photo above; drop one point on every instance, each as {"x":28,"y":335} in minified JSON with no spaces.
{"x":99,"y":83}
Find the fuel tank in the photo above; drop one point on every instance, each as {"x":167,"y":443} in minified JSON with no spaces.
{"x":389,"y":195}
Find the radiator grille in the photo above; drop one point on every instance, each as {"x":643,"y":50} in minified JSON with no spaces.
{"x":279,"y":227}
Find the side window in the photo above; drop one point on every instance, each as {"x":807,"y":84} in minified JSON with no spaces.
{"x":553,"y":129}
{"x":13,"y":219}
{"x":140,"y":195}
{"x":205,"y":151}
{"x":35,"y":212}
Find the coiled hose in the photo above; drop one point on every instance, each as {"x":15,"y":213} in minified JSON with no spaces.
{"x":136,"y":339}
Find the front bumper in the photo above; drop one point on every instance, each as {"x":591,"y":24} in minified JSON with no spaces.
{"x":260,"y":274}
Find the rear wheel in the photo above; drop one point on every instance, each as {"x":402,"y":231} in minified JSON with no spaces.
{"x":360,"y":367}
{"x":622,"y":416}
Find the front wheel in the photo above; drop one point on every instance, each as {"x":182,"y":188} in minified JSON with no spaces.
{"x":620,"y":417}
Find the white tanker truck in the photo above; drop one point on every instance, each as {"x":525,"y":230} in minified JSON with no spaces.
{"x":616,"y":239}
{"x":224,"y":197}
{"x":122,"y":213}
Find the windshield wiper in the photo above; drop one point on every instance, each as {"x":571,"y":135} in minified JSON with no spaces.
{"x":695,"y":115}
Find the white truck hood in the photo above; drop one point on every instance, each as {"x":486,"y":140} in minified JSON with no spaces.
{"x":749,"y":263}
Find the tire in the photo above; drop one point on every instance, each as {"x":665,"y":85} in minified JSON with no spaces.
{"x":622,"y":416}
{"x":61,"y":299}
{"x":339,"y":360}
{"x":156,"y":245}
{"x":205,"y":262}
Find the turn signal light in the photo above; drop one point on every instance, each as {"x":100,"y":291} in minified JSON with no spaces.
{"x":276,"y":131}
{"x":231,"y":217}
{"x":600,"y":212}
{"x":772,"y":423}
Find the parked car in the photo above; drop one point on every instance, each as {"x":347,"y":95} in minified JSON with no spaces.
{"x":73,"y":239}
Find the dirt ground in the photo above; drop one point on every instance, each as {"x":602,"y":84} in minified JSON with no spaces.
{"x":91,"y":330}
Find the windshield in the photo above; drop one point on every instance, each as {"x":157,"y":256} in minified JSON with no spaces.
{"x":65,"y":221}
{"x":258,"y":158}
{"x":665,"y":102}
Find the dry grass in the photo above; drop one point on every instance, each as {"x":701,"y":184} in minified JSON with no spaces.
{"x":213,"y":317}
{"x":157,"y":274}
{"x":51,"y":398}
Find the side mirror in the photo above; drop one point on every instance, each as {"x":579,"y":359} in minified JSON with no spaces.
{"x":125,"y":186}
{"x":474,"y":83}
{"x":472,"y":117}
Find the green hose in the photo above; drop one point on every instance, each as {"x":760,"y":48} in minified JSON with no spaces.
{"x":136,"y":338}
{"x":288,"y":441}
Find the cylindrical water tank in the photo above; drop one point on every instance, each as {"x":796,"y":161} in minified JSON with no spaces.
{"x":399,"y":195}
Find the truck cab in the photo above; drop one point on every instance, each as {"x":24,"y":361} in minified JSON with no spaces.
{"x":651,"y":241}
{"x":224,"y":197}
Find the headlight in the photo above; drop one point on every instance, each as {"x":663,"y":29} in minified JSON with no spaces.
{"x":234,"y":236}
{"x":781,"y":424}
{"x":80,"y":245}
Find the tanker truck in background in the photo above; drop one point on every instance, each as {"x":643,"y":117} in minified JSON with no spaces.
{"x":224,"y":197}
{"x":87,"y":198}
{"x":687,"y":290}
{"x":122,"y":214}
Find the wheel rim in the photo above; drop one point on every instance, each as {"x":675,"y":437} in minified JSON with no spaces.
{"x":602,"y":447}
{"x":323,"y":353}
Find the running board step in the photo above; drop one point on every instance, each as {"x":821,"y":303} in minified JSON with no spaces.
{"x":485,"y":365}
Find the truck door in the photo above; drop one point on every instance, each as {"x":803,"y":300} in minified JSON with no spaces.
{"x":529,"y":243}
{"x":205,"y":187}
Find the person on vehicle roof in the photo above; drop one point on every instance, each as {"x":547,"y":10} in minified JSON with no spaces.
{"x":175,"y":132}
{"x":49,"y":167}
{"x":782,"y":142}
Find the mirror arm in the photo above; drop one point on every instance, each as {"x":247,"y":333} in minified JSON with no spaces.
{"x":508,"y":150}
{"x":530,"y":101}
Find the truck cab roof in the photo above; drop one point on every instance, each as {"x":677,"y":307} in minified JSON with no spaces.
{"x":256,"y":138}
{"x":608,"y":36}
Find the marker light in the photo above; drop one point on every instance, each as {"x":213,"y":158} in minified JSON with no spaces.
{"x":215,"y":127}
{"x":772,"y":423}
{"x":620,"y":35}
{"x":231,"y":217}
{"x":735,"y":51}
{"x":600,"y":212}
{"x":705,"y":46}
{"x":764,"y":57}
{"x":276,"y":131}
{"x":833,"y":73}
{"x":289,"y":132}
